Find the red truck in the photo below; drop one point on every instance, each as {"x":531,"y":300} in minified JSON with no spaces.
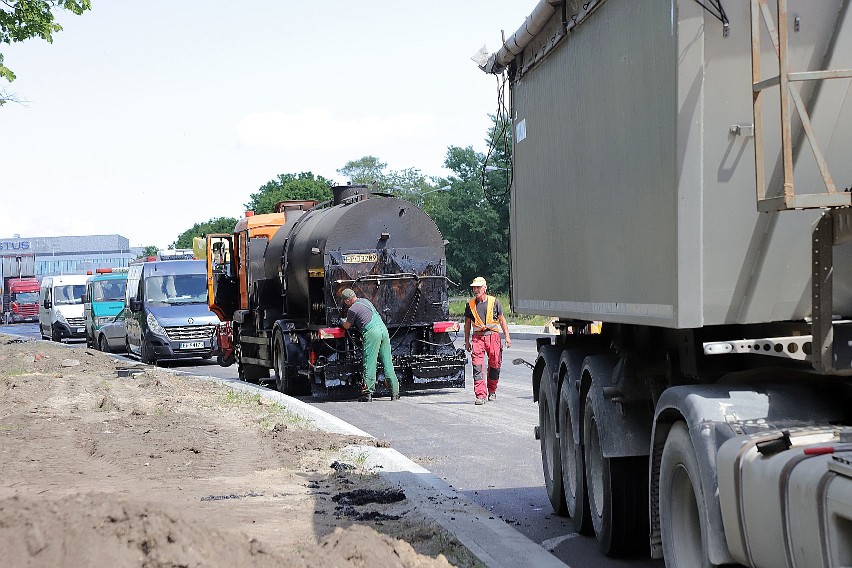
{"x":20,"y":299}
{"x":20,"y":288}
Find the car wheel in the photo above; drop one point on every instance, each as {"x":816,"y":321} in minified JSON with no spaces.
{"x":146,"y":355}
{"x":103,"y":345}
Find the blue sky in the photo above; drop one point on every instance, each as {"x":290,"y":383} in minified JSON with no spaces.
{"x":143,"y":118}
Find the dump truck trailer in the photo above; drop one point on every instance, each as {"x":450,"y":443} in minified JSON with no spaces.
{"x":691,"y":163}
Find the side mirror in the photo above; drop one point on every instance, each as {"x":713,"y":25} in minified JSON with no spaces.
{"x":135,"y":305}
{"x":47,"y":304}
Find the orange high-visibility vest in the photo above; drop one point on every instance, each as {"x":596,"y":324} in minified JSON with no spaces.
{"x":490,"y":323}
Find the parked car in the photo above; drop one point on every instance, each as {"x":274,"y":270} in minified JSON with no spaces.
{"x":112,"y":336}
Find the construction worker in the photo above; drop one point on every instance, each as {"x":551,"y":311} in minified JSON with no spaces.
{"x":483,"y":313}
{"x":363,"y":315}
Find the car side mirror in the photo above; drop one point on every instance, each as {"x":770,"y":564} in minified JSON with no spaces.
{"x":135,"y":305}
{"x":47,"y":304}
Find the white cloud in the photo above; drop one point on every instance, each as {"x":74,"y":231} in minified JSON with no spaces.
{"x":316,"y":129}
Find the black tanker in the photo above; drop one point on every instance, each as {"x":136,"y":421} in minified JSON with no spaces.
{"x":279,"y":280}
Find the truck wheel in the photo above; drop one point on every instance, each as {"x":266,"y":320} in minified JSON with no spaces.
{"x":683,"y":522}
{"x":617,"y":490}
{"x":573,"y":468}
{"x":282,"y":384}
{"x":551,"y":459}
{"x":54,"y":334}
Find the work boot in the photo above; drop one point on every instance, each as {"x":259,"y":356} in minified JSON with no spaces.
{"x":479,"y":401}
{"x":395,"y":396}
{"x":366,"y":397}
{"x":492,"y":396}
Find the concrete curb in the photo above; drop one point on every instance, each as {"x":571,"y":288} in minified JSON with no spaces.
{"x":492,"y":541}
{"x":528,"y":331}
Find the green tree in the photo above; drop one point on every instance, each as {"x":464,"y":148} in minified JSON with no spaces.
{"x":25,"y":19}
{"x":474,"y":215}
{"x":150,"y":250}
{"x":369,"y":170}
{"x":289,"y":186}
{"x":213,"y":226}
{"x":365,"y":171}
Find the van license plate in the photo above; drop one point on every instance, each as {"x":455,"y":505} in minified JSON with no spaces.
{"x":81,"y":329}
{"x":192,"y":345}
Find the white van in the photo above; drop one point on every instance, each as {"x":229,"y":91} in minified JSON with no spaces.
{"x":60,"y":310}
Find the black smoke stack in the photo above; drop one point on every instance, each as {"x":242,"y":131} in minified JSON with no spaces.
{"x":343,"y":193}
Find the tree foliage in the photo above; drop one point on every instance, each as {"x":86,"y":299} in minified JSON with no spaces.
{"x":370,"y":171}
{"x":25,"y":19}
{"x":150,"y":250}
{"x":303,"y":186}
{"x":213,"y":226}
{"x":474,"y":215}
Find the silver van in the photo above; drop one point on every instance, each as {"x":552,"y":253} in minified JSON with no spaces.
{"x":60,"y":311}
{"x":167,"y":315}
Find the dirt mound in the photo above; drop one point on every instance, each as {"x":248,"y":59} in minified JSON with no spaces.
{"x":155,"y":469}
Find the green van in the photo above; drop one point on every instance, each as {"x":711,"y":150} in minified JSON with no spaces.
{"x":103,"y":300}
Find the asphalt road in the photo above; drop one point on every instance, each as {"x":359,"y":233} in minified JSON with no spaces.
{"x":487,"y":452}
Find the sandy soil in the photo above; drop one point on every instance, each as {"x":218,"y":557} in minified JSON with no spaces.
{"x":160,"y":470}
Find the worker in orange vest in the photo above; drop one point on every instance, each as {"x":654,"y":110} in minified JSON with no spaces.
{"x":482,"y":315}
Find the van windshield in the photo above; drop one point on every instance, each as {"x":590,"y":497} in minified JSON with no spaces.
{"x":108,"y":290}
{"x":175,"y":289}
{"x":70,"y":294}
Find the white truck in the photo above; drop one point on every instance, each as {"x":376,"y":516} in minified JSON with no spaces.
{"x":682,"y":172}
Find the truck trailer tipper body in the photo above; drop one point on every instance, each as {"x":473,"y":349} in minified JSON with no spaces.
{"x":692,"y":163}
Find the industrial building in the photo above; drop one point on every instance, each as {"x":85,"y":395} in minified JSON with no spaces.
{"x":71,"y":254}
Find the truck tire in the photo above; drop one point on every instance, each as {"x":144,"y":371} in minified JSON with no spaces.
{"x":283,"y":383}
{"x":551,"y":458}
{"x":54,"y":334}
{"x":683,"y":522}
{"x":618,"y":493}
{"x":573,"y":467}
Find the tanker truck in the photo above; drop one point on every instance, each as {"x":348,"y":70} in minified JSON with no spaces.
{"x":691,"y":163}
{"x":276,"y":283}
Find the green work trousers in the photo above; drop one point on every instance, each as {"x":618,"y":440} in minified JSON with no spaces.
{"x":377,"y":343}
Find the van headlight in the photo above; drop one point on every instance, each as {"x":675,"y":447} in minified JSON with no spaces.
{"x":101,"y":321}
{"x":60,"y":317}
{"x":155,"y":326}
